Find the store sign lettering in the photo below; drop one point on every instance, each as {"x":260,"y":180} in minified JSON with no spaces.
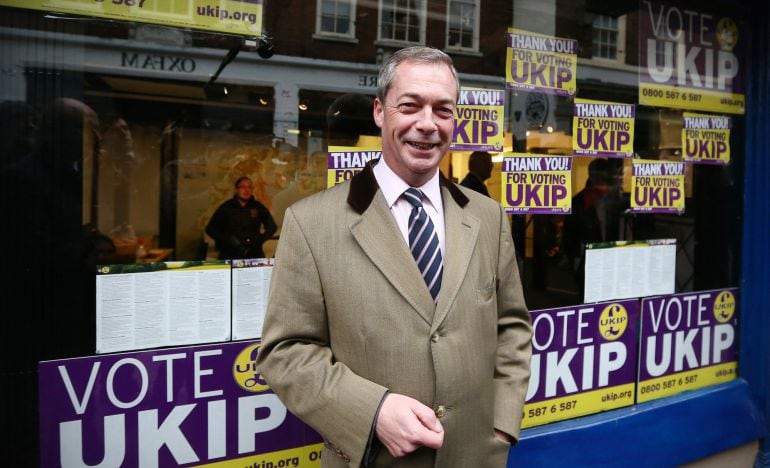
{"x":367,"y":81}
{"x":157,"y":62}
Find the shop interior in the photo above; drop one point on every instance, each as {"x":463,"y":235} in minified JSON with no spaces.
{"x":165,"y":155}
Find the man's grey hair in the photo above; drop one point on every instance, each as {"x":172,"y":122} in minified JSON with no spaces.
{"x":417,"y":54}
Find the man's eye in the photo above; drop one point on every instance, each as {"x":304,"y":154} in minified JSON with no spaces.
{"x":407,"y":107}
{"x":445,"y":111}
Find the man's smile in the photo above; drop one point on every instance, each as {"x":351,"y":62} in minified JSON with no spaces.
{"x":421,"y":146}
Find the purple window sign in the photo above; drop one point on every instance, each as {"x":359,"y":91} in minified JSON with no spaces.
{"x":683,"y":332}
{"x":713,"y":47}
{"x":582,"y":348}
{"x":167,"y":407}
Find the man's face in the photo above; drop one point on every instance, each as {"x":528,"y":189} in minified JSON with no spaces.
{"x":417,"y":120}
{"x":244,"y":189}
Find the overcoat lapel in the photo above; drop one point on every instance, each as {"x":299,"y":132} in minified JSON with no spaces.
{"x":462,"y":231}
{"x":379,"y":237}
{"x":376,"y":232}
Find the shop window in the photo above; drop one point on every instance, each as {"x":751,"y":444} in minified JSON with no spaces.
{"x":609,"y":35}
{"x":402,"y":21}
{"x":336,"y":18}
{"x":201,"y":141}
{"x":463,"y":24}
{"x":139,"y":145}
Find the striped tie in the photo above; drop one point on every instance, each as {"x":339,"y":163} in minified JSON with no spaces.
{"x":423,"y":242}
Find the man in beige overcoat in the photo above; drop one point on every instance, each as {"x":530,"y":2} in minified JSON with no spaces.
{"x":393,"y":362}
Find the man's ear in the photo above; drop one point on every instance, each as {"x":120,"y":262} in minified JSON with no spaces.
{"x":378,"y":112}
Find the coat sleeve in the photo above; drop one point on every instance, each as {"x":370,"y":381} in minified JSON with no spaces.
{"x":296,"y":357}
{"x":514,"y":334}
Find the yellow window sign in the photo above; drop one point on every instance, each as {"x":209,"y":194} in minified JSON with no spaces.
{"x":706,"y":138}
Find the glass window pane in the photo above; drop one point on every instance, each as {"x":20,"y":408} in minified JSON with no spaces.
{"x":462,"y":20}
{"x":454,"y":38}
{"x":454,"y":10}
{"x":169,"y":144}
{"x":467,"y":41}
{"x":399,"y":31}
{"x":328,"y":7}
{"x":342,"y":26}
{"x":414,"y":34}
{"x":327,"y":24}
{"x":387,"y":31}
{"x":605,"y":36}
{"x":404,"y":20}
{"x":343,"y":9}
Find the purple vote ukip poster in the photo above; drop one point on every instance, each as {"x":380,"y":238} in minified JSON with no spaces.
{"x":687,"y":341}
{"x":191,"y":406}
{"x":583,"y":361}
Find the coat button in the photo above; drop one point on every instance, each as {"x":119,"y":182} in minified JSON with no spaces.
{"x":440,"y":411}
{"x":434,"y":337}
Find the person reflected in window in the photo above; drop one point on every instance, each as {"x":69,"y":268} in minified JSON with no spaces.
{"x":349,"y":118}
{"x":595,"y":211}
{"x":479,"y":170}
{"x":240,"y":225}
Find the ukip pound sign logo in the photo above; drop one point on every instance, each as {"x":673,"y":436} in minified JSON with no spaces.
{"x":613,"y":322}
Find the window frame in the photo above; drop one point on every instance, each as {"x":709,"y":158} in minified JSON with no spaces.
{"x":620,"y":40}
{"x":321,"y":34}
{"x":421,"y":11}
{"x":474,"y":29}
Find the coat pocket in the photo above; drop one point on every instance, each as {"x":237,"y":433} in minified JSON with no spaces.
{"x":486,"y":292}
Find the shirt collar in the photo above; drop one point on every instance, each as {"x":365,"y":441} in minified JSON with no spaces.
{"x":393,"y":186}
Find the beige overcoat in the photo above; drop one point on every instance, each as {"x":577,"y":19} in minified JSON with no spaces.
{"x":349,"y":318}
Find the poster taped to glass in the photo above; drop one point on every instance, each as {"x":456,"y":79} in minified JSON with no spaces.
{"x":536,"y":62}
{"x":690,"y":59}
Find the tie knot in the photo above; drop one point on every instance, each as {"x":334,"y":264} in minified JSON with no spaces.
{"x":414,"y":197}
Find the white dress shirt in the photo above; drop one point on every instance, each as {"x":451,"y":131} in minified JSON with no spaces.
{"x":393,"y":187}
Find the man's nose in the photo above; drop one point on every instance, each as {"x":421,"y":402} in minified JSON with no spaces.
{"x":426,"y":120}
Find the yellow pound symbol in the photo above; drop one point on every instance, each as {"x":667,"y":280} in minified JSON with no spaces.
{"x":245,"y":370}
{"x":724,"y":306}
{"x":613,"y":322}
{"x":727,"y":34}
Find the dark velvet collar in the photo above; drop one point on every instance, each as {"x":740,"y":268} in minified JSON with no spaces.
{"x":364,"y":186}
